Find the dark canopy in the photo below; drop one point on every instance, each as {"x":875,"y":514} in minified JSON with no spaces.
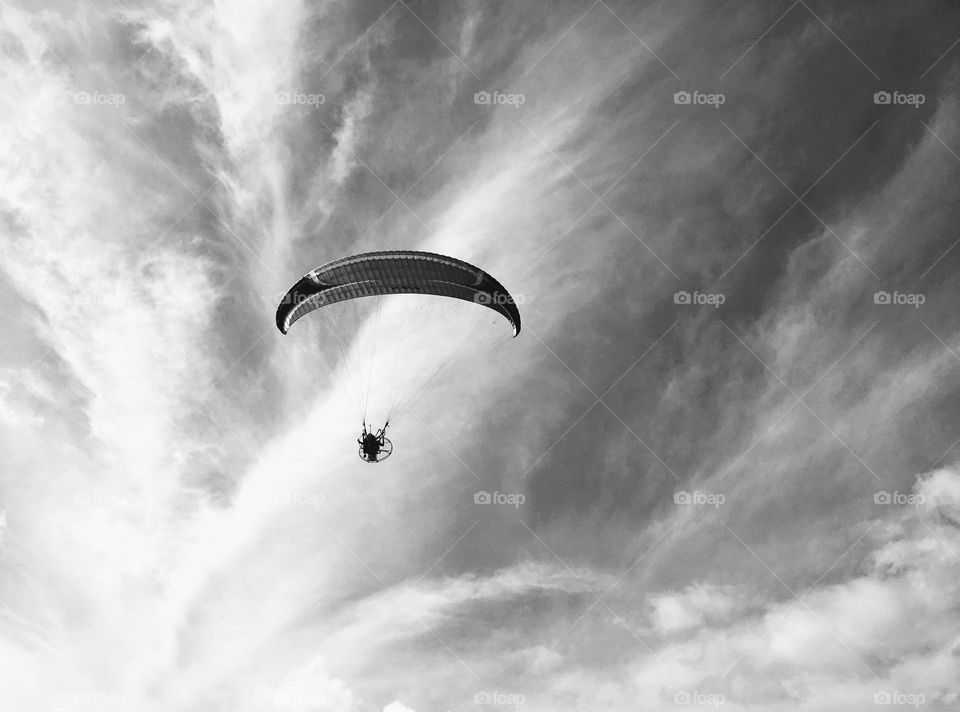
{"x":395,"y":272}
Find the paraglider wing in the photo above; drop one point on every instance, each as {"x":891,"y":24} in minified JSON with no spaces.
{"x":395,"y":272}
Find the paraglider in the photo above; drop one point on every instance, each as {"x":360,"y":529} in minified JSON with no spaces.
{"x":375,"y":447}
{"x":381,"y":275}
{"x":395,"y":272}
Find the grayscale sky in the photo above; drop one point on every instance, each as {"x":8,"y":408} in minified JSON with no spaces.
{"x":717,"y":470}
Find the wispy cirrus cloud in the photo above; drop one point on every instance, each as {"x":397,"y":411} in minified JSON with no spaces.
{"x":185,"y":523}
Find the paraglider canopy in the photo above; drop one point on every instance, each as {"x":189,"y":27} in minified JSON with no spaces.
{"x":395,"y":272}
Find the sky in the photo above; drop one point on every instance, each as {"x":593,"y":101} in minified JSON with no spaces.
{"x":717,"y":470}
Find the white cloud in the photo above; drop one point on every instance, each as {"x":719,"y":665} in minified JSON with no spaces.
{"x":181,"y":521}
{"x":309,"y":689}
{"x":397,"y":706}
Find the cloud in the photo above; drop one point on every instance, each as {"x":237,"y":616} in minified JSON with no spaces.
{"x":855,"y":638}
{"x":694,"y":607}
{"x":397,"y":706}
{"x":185,"y":523}
{"x":305,"y":690}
